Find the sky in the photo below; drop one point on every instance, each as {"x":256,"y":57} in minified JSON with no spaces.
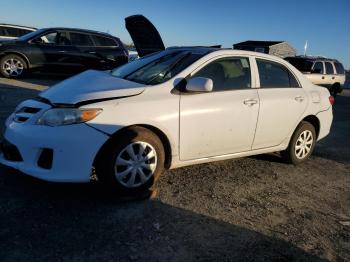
{"x":324,"y":23}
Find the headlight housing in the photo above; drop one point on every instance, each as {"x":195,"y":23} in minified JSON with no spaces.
{"x":67,"y":116}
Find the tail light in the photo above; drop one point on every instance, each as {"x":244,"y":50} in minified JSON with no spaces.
{"x":331,"y":100}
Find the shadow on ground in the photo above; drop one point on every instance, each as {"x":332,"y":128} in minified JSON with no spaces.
{"x":50,"y":222}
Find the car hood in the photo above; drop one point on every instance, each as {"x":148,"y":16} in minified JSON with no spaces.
{"x":144,"y":35}
{"x":91,"y":86}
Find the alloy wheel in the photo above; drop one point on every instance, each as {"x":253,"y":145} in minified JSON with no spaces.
{"x":13,"y":67}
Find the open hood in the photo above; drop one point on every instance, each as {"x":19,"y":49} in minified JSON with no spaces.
{"x":145,"y":36}
{"x":91,"y":86}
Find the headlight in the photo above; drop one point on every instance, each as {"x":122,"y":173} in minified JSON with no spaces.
{"x":67,"y":116}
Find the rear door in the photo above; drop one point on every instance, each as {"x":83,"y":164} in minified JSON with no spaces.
{"x":317,"y":75}
{"x":282,"y":103}
{"x":145,"y":36}
{"x":110,"y":51}
{"x":330,"y":74}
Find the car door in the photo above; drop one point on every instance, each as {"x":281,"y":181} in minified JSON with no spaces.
{"x":110,"y":52}
{"x":282,"y":103}
{"x":84,"y":54}
{"x":222,"y":121}
{"x":47,"y":54}
{"x":317,"y":76}
{"x":330,"y":74}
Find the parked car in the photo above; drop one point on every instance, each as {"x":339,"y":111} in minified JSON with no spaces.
{"x":61,"y":50}
{"x":10,"y":32}
{"x":173,"y":108}
{"x":321,"y":71}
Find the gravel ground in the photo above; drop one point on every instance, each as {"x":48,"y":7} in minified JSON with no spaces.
{"x":249,"y":209}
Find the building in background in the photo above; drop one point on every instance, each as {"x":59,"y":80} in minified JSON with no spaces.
{"x":277,"y":48}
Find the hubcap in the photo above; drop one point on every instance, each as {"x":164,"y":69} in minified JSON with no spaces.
{"x":304,"y":144}
{"x":136,"y":164}
{"x":13,"y":67}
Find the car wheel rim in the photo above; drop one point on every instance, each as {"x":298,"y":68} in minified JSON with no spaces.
{"x":136,"y":164}
{"x":13,"y":67}
{"x":304,"y":144}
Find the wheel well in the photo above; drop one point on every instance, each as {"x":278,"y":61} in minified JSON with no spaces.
{"x":18,"y":54}
{"x":163,"y":138}
{"x":313,"y":120}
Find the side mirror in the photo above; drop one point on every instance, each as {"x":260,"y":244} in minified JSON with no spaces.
{"x":316,"y":71}
{"x":199,"y":84}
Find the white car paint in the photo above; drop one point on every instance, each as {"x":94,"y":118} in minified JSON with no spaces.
{"x":201,"y":127}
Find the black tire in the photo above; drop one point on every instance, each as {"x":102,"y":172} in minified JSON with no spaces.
{"x":290,"y":154}
{"x":106,"y":161}
{"x":20,"y":63}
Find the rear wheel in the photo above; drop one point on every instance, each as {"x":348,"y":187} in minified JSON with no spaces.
{"x":131,"y":162}
{"x":12,"y":66}
{"x":301,"y":145}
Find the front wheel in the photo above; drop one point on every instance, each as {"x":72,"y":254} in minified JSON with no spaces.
{"x":132,"y":161}
{"x":12,"y":66}
{"x":301,"y":145}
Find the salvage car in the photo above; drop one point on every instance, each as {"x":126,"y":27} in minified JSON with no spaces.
{"x":61,"y":50}
{"x":172,"y":108}
{"x":321,"y":71}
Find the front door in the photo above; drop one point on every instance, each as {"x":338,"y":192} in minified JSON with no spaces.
{"x":222,"y":121}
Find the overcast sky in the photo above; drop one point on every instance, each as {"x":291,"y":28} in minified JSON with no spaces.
{"x":325,"y":24}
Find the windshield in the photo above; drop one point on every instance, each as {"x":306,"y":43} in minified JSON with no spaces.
{"x":156,"y":68}
{"x":301,"y":64}
{"x":30,"y":35}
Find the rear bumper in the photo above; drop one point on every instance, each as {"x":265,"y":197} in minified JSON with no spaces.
{"x":326,"y":119}
{"x":57,"y":154}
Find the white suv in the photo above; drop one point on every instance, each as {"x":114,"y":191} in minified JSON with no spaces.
{"x":173,"y":108}
{"x":321,"y":71}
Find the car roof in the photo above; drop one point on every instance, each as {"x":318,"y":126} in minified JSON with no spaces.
{"x":79,"y":30}
{"x":18,"y":26}
{"x":313,"y":58}
{"x":223,"y":51}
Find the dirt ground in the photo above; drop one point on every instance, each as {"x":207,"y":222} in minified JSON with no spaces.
{"x":249,"y":209}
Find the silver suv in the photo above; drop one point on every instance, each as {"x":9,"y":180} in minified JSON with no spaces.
{"x":321,"y":71}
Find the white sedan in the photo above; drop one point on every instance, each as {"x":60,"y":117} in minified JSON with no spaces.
{"x":174,"y":108}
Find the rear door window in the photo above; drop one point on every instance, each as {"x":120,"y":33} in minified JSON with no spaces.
{"x":339,"y":68}
{"x":329,"y":68}
{"x":80,"y":39}
{"x":318,"y":67}
{"x":104,"y":41}
{"x":275,"y":75}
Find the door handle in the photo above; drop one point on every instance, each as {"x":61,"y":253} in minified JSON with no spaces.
{"x":333,"y":77}
{"x":250,"y":102}
{"x":299,"y":98}
{"x":62,"y":51}
{"x":322,"y":77}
